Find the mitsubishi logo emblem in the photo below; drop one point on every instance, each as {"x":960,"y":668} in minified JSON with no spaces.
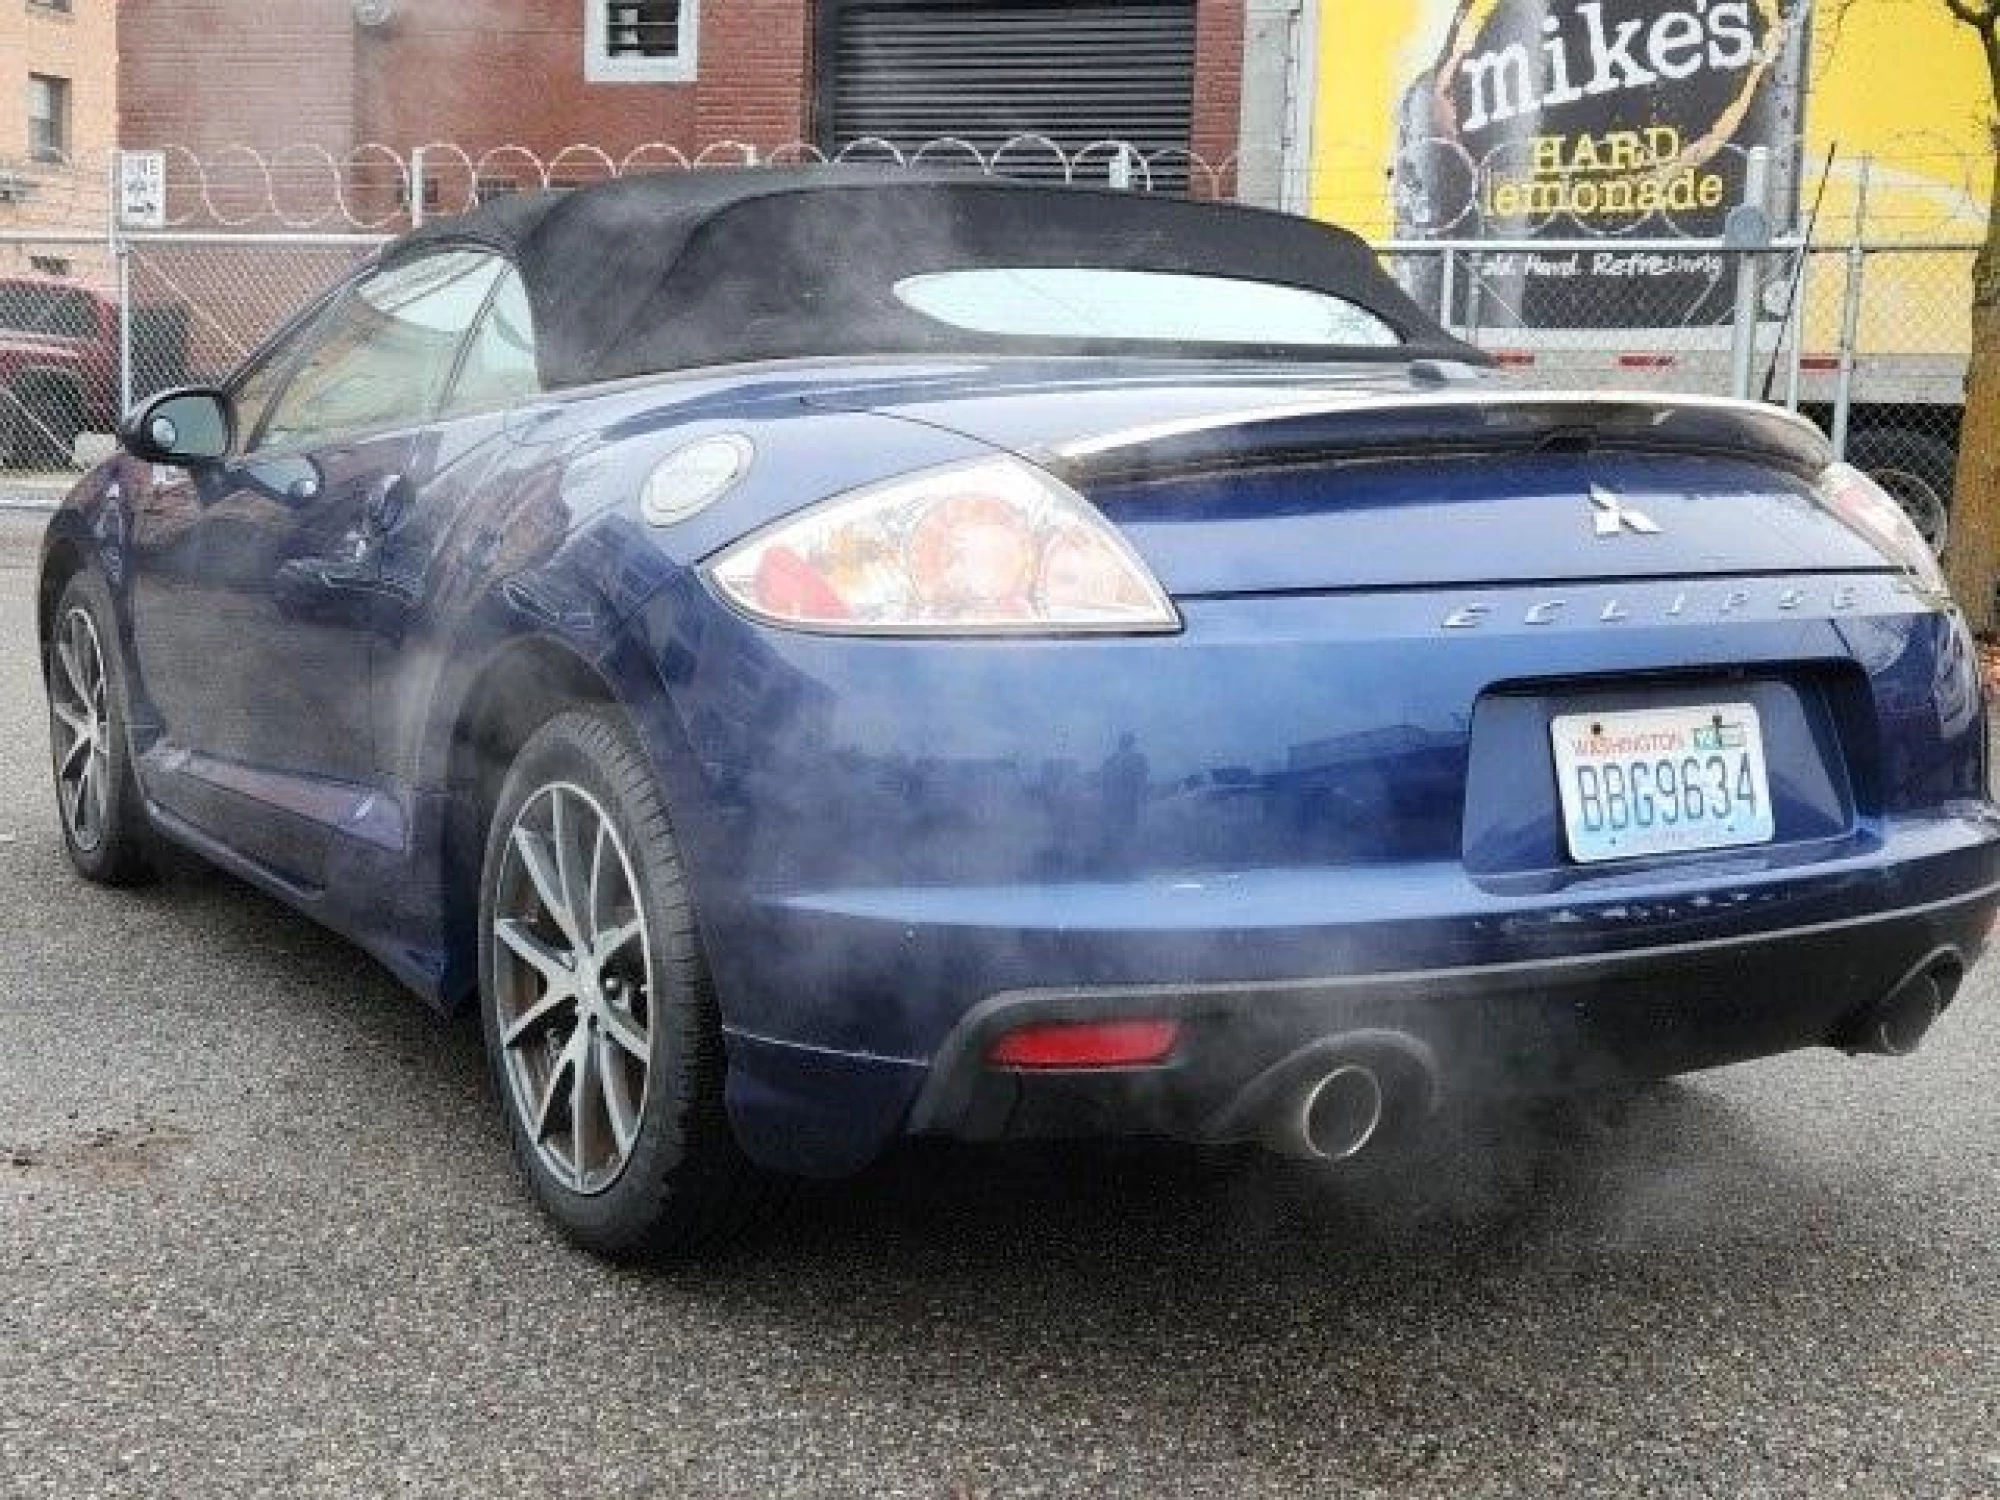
{"x":1613,"y":515}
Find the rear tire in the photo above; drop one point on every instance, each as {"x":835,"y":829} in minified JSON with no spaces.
{"x":98,"y":801}
{"x":601,"y":1027}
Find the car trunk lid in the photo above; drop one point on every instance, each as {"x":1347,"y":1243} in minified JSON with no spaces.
{"x":1228,"y":490}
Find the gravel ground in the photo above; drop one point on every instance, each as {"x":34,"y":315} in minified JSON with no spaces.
{"x":259,"y":1234}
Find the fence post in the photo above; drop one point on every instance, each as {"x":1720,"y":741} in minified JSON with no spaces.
{"x":1850,"y":310}
{"x":121,"y":260}
{"x":1748,"y":230}
{"x":417,"y":187}
{"x":1801,"y":291}
{"x":1447,"y":287}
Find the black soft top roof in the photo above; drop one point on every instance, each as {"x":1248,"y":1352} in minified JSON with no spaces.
{"x":678,"y":270}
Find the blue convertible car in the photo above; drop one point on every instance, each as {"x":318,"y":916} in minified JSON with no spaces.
{"x":819,"y":658}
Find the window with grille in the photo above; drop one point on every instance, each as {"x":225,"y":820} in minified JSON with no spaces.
{"x":1075,"y":73}
{"x":640,"y":41}
{"x":646,"y":30}
{"x":48,"y":117}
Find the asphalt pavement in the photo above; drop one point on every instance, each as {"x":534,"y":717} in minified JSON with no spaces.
{"x":259,"y":1234}
{"x":32,"y":490}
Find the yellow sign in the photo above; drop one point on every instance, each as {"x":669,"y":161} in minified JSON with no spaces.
{"x":1564,"y":119}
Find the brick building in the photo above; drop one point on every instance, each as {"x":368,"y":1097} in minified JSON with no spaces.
{"x":58,"y":78}
{"x":622,"y":75}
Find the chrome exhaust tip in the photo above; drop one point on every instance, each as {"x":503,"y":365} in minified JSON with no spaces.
{"x":1333,"y":1098}
{"x":1333,"y":1119}
{"x":1899,"y":1026}
{"x":1895,"y":1025}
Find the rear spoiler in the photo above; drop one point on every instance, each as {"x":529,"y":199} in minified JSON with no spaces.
{"x":1450,"y":423}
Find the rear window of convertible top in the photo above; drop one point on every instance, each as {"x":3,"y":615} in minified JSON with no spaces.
{"x":1137,"y":306}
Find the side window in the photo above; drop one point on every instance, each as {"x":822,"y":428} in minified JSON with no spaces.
{"x":499,"y":364}
{"x":384,"y":353}
{"x":255,"y":388}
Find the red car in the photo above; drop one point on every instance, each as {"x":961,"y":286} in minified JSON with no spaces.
{"x":59,"y":357}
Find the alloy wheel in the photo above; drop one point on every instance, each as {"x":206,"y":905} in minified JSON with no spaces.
{"x":573,"y":986}
{"x":79,"y":704}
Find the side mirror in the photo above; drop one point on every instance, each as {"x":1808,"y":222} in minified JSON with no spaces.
{"x":192,"y":425}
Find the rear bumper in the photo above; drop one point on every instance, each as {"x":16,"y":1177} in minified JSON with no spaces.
{"x":1544,"y":1025}
{"x":1503,"y":995}
{"x":1301,"y":813}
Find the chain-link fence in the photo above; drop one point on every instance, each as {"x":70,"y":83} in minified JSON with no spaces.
{"x":1868,"y":335}
{"x":1890,"y":384}
{"x":201,"y":303}
{"x":1915,"y":188}
{"x":1871,"y":340}
{"x":1646,"y":314}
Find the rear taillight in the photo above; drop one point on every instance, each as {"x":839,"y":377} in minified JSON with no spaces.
{"x":1087,"y":1044}
{"x":1872,"y":513}
{"x":996,"y":547}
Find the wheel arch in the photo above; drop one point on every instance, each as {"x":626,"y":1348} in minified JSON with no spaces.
{"x":61,"y":562}
{"x":511,"y":693}
{"x":66,"y":552}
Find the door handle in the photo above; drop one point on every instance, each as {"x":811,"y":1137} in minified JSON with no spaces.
{"x":388,"y":498}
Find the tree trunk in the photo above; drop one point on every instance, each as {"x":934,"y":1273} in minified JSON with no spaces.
{"x":1972,"y":559}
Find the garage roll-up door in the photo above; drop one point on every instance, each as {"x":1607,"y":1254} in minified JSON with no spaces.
{"x":910,"y":71}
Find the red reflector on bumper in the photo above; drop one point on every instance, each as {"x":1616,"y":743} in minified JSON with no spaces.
{"x":1086,"y":1044}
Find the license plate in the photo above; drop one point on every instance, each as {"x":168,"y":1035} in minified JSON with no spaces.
{"x":1661,"y":780}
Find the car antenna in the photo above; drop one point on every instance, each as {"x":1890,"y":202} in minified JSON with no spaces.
{"x":1799,"y":269}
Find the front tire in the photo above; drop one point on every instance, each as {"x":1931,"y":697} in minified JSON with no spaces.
{"x":601,"y":1027}
{"x":103,"y":814}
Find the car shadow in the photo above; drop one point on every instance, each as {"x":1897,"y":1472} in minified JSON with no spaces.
{"x":1499,"y":1280}
{"x":1496,"y":1176}
{"x":1512,"y":1255}
{"x":1677,"y":1181}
